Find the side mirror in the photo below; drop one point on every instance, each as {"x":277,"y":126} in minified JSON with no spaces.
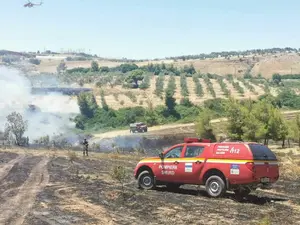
{"x":161,"y":155}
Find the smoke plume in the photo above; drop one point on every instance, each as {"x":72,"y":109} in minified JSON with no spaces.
{"x":53,"y":113}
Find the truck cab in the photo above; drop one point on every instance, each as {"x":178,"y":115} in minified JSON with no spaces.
{"x":237,"y":166}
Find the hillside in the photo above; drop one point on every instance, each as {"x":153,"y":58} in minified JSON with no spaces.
{"x":256,"y":61}
{"x":119,"y":97}
{"x":266,"y":65}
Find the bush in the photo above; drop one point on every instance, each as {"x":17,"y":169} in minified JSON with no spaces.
{"x":217,"y":106}
{"x":188,"y":69}
{"x":119,"y":174}
{"x":183,"y":84}
{"x":146,"y":82}
{"x":223,"y":87}
{"x":229,"y":77}
{"x":290,"y":76}
{"x":131,"y":95}
{"x":10,"y":59}
{"x":159,"y":89}
{"x":288,"y":99}
{"x":116,"y":96}
{"x":171,"y":85}
{"x":198,"y":87}
{"x":35,"y":61}
{"x":203,"y":126}
{"x":247,"y":85}
{"x":210,"y":87}
{"x":237,"y":87}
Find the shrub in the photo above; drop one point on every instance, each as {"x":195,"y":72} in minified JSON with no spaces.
{"x":131,"y":95}
{"x":237,"y":87}
{"x":116,"y":96}
{"x":146,"y":82}
{"x":223,"y":87}
{"x":183,"y":84}
{"x":210,"y":87}
{"x":119,"y":174}
{"x":247,"y":85}
{"x":35,"y":61}
{"x":159,"y":89}
{"x":171,"y":86}
{"x":198,"y":87}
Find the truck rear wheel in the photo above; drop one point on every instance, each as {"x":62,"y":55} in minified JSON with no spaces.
{"x":146,"y":180}
{"x":215,"y":186}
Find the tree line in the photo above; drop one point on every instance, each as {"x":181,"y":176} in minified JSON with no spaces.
{"x":227,"y":54}
{"x":247,"y":120}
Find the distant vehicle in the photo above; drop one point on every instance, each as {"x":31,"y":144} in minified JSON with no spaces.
{"x":237,"y":166}
{"x":138,"y":127}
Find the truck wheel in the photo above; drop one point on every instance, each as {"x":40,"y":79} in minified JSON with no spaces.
{"x":146,"y":180}
{"x":215,"y":186}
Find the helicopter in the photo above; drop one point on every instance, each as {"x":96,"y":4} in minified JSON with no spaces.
{"x":30,"y":4}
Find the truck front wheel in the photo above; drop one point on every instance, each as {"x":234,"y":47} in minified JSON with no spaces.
{"x":146,"y":180}
{"x":215,"y":186}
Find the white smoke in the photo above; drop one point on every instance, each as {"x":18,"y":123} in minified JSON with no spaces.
{"x":55,"y":109}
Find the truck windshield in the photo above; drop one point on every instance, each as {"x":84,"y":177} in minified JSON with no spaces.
{"x":261,"y":152}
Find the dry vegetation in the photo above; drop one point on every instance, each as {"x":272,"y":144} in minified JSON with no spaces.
{"x":282,"y":63}
{"x":65,"y":188}
{"x":117,"y":97}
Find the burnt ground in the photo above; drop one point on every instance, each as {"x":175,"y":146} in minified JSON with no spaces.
{"x":65,"y":188}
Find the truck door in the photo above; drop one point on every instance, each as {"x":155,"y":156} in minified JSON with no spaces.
{"x":170,"y":167}
{"x":193,"y":163}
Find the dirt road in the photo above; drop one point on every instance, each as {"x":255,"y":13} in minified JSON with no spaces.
{"x":13,"y":210}
{"x":171,"y":128}
{"x":178,"y":128}
{"x":42,"y":188}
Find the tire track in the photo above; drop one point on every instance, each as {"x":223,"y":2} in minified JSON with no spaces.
{"x":74,"y":203}
{"x":4,"y":170}
{"x":14,"y":210}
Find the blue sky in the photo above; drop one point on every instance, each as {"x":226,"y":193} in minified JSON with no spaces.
{"x":148,"y":29}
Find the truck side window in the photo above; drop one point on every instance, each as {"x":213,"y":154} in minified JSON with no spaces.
{"x":174,"y":153}
{"x":193,"y":151}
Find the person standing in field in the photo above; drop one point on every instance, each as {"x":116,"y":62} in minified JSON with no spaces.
{"x":85,"y":147}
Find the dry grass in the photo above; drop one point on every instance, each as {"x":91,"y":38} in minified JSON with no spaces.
{"x":91,"y":196}
{"x":290,"y":167}
{"x":74,"y":155}
{"x":266,"y":65}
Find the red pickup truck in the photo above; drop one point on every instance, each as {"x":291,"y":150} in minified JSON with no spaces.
{"x":237,"y":166}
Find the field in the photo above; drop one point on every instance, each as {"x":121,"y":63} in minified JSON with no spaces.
{"x":118,"y":97}
{"x":61,"y":187}
{"x":268,"y":64}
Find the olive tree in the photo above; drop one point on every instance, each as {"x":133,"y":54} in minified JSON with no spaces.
{"x":15,"y":127}
{"x":135,"y":76}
